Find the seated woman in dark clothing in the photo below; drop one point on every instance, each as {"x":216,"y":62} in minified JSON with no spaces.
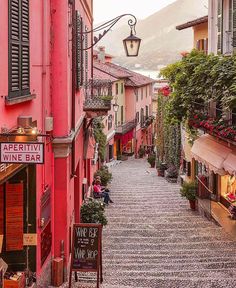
{"x":97,"y":188}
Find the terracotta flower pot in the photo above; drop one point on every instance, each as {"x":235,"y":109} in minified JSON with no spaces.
{"x":192,"y":204}
{"x":160,"y":172}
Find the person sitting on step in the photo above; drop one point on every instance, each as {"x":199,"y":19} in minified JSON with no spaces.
{"x":97,"y":189}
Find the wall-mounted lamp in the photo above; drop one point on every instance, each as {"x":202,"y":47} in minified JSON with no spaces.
{"x":34,"y":131}
{"x":20,"y":130}
{"x":131,"y":43}
{"x":115,"y":107}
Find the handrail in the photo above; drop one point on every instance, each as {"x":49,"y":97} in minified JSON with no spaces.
{"x":204,"y":185}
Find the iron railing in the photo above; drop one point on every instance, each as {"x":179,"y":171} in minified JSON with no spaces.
{"x":98,"y":95}
{"x":147,"y":122}
{"x":126,"y":127}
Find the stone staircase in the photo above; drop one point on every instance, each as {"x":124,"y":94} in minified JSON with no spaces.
{"x":153,"y":239}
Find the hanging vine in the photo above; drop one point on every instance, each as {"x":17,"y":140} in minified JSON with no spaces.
{"x":100,"y":137}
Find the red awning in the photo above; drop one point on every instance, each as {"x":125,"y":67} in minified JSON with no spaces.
{"x":230,"y":164}
{"x":213,"y":154}
{"x":126,"y":137}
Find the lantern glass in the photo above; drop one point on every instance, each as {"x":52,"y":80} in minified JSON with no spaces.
{"x":115,"y":107}
{"x":131,"y":45}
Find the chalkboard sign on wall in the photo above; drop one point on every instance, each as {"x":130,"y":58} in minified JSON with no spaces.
{"x":86,"y":249}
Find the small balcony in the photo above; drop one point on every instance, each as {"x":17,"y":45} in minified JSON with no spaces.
{"x":98,"y":96}
{"x":126,"y":127}
{"x":147,"y":122}
{"x":216,"y":124}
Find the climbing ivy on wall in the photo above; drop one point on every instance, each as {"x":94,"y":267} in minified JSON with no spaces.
{"x":100,"y":137}
{"x":168,"y":134}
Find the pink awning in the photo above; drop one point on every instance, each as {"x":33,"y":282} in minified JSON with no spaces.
{"x":230,"y":164}
{"x":211,"y":153}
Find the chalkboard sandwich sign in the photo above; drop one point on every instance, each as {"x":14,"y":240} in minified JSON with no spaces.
{"x":86,"y":254}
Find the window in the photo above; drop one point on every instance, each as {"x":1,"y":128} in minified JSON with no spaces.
{"x":233,"y":116}
{"x":142,"y":116}
{"x":150,"y":89}
{"x":233,"y":25}
{"x":146,"y":111}
{"x":226,"y":26}
{"x":220,"y":26}
{"x":122,"y":114}
{"x":19,"y":50}
{"x":137,"y":117}
{"x":109,"y":122}
{"x":117,"y":88}
{"x":218,"y":110}
{"x":116,"y":119}
{"x":122,"y":88}
{"x":202,"y":45}
{"x":142,"y":93}
{"x":136,"y":96}
{"x":146,"y":91}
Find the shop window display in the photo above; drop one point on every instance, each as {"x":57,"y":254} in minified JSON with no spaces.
{"x":231,"y":189}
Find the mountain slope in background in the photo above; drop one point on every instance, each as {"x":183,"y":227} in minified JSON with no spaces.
{"x":161,"y":42}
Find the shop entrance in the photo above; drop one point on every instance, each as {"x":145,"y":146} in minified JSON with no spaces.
{"x":18,"y":218}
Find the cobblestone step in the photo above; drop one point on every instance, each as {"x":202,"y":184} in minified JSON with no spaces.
{"x":154,"y":240}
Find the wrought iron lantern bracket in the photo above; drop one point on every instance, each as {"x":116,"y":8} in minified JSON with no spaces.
{"x":106,"y":27}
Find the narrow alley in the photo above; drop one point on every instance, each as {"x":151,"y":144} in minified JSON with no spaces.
{"x":153,"y":239}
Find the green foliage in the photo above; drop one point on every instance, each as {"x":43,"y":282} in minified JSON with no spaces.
{"x":107,"y":98}
{"x":93,"y":211}
{"x":100,"y":137}
{"x":141,"y":152}
{"x":188,"y":190}
{"x":168,"y":134}
{"x":151,"y":159}
{"x":105,"y":175}
{"x":200,"y":78}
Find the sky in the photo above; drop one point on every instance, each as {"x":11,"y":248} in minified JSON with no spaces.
{"x":104,"y":10}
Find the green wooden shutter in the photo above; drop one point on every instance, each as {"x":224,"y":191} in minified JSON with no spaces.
{"x":19,"y":61}
{"x":79,"y":78}
{"x":220,"y":27}
{"x":234,"y":27}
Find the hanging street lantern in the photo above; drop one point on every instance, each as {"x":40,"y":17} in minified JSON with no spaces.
{"x":131,"y":45}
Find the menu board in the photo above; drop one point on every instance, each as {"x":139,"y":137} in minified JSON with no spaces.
{"x":86,"y":247}
{"x":14,"y":217}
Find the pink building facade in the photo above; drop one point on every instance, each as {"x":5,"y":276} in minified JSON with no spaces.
{"x":133,"y":93}
{"x":44,"y":67}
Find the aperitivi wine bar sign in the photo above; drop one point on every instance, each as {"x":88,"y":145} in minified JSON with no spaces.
{"x":22,"y":152}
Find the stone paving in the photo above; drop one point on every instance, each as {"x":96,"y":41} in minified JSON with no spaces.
{"x":153,"y":239}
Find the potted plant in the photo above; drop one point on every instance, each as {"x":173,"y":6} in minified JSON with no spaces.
{"x":171,"y":174}
{"x":141,"y":152}
{"x":93,"y":211}
{"x":151,"y":160}
{"x":161,"y":167}
{"x":107,"y":100}
{"x":105,"y":175}
{"x":188,"y":190}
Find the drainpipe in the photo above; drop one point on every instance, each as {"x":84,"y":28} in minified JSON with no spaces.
{"x":44,"y":75}
{"x":73,"y":83}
